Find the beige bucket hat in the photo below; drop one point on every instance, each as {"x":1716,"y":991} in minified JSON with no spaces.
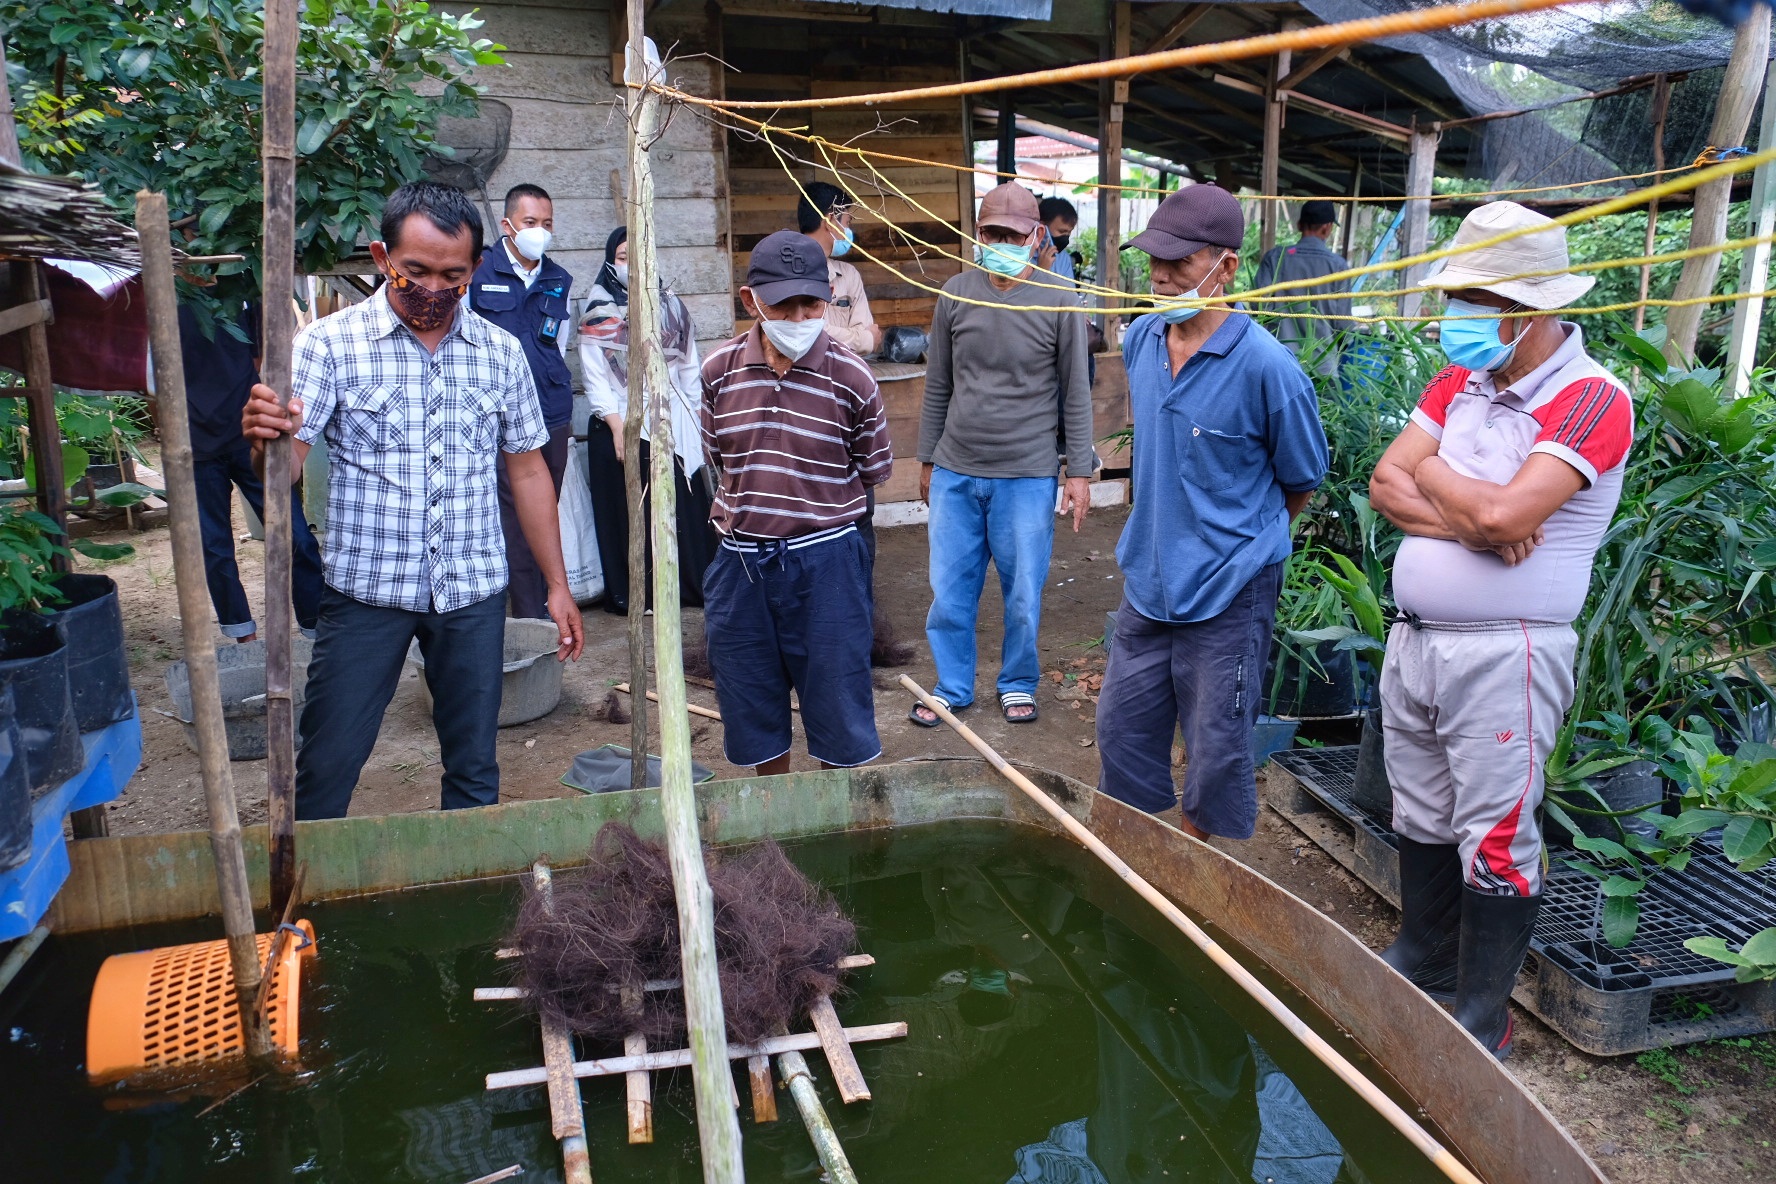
{"x":1487,"y":267}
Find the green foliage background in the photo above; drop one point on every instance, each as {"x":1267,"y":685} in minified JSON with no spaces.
{"x":166,"y":95}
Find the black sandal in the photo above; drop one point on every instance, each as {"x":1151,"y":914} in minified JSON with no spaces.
{"x":1012,"y":699}
{"x":935,"y":720}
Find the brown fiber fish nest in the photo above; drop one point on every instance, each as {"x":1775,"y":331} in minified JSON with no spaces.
{"x":614,"y":925}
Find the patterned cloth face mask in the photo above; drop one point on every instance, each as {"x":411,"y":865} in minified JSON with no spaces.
{"x":424,"y":309}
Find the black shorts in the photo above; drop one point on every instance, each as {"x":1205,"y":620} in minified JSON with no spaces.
{"x":795,"y":613}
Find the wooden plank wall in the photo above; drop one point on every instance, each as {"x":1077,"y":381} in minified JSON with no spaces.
{"x":798,"y":59}
{"x":568,"y":137}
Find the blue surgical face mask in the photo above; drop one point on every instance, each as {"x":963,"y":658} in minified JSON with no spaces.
{"x":1474,"y":344}
{"x":1177,"y":316}
{"x":843,"y":243}
{"x":1003,"y":258}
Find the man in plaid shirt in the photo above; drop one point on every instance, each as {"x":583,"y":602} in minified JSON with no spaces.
{"x":415,"y":395}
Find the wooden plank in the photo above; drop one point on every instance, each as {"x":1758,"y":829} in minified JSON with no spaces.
{"x":23,"y":316}
{"x":1181,"y":24}
{"x":764,"y":1090}
{"x":679,"y":1058}
{"x":847,"y":1073}
{"x":640,"y":1098}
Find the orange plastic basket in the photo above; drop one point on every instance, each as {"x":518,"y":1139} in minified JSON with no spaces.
{"x":176,"y":1006}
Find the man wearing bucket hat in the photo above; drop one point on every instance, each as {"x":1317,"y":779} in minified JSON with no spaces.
{"x":1504,"y":481}
{"x":1228,"y":447}
{"x":795,"y":429}
{"x":1000,"y":350}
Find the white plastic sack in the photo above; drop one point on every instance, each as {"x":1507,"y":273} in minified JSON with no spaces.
{"x":579,"y":539}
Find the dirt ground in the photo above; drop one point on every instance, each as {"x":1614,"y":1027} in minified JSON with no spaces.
{"x":1691,"y":1114}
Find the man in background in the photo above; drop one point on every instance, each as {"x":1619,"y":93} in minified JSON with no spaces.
{"x":1000,"y":352}
{"x":824,"y":215}
{"x":794,"y":427}
{"x":520,"y":289}
{"x":1310,"y":258}
{"x":1228,"y":448}
{"x":1059,"y":220}
{"x":220,"y":370}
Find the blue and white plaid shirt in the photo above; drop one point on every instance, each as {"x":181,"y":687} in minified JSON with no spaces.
{"x":412,"y":495}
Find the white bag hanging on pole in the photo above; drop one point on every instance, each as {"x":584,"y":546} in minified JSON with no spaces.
{"x":579,"y":538}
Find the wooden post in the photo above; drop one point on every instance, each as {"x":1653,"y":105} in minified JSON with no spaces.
{"x":1007,"y":159}
{"x":194,"y":611}
{"x":1350,"y":211}
{"x":1113,"y":94}
{"x":278,"y":269}
{"x":1421,"y":168}
{"x":1754,"y":270}
{"x":1661,"y":105}
{"x":9,"y":141}
{"x":1275,"y":106}
{"x":1708,"y":217}
{"x":635,"y":486}
{"x":718,"y":1126}
{"x":964,"y":180}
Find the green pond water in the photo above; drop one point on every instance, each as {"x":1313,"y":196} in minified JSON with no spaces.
{"x":1058,"y":1032}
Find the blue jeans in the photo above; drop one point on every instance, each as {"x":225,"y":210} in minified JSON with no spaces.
{"x":356,"y":666}
{"x":1010,"y":520}
{"x":216,"y":479}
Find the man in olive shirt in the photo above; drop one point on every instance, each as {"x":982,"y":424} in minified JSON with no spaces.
{"x":987,"y":444}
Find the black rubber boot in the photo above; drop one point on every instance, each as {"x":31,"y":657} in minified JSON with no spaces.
{"x":1495,"y":933}
{"x":1430,"y":917}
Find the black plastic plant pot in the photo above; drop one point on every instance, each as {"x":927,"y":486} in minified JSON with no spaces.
{"x":15,"y":790}
{"x":1371,"y":790}
{"x":91,"y":624}
{"x":34,"y":664}
{"x":1325,"y":687}
{"x":1634,"y":786}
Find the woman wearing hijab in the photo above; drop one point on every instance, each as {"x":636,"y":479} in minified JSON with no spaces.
{"x":604,"y":367}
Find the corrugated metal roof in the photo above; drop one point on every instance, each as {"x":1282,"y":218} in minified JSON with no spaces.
{"x":1018,"y":10}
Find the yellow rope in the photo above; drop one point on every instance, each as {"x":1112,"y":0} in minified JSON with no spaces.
{"x":1263,"y":294}
{"x":799,"y":134}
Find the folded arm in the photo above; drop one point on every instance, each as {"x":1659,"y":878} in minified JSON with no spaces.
{"x":1394,"y":491}
{"x":1485,"y":515}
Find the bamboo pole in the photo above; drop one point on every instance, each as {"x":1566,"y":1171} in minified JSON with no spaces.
{"x":194,"y":613}
{"x":718,"y":1126}
{"x":1275,"y":107}
{"x":1754,"y":270}
{"x":635,"y":482}
{"x":567,"y":1117}
{"x":1441,"y":1157}
{"x":1661,"y":105}
{"x":679,"y":1058}
{"x":278,"y":269}
{"x":1740,"y":85}
{"x":793,"y":1067}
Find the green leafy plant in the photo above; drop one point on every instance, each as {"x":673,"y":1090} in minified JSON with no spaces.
{"x":178,"y":86}
{"x":30,"y":542}
{"x":1755,"y":960}
{"x":1735,"y":793}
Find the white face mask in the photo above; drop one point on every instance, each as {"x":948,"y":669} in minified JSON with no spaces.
{"x":793,"y":338}
{"x":532,"y":241}
{"x":622,"y":270}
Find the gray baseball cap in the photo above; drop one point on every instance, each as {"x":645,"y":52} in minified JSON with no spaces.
{"x":1195,"y":217}
{"x":788,"y":264}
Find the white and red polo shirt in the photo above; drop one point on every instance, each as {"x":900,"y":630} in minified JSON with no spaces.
{"x":1568,"y":407}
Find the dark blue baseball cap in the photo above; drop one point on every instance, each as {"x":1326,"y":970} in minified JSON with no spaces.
{"x":788,"y":264}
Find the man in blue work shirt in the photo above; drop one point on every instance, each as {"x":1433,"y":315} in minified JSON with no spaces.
{"x":1228,"y":448}
{"x":524,"y":292}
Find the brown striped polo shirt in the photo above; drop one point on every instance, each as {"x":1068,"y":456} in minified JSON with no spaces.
{"x":793,"y":454}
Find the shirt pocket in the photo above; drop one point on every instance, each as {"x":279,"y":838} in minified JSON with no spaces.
{"x":370,"y":418}
{"x":494,"y":298}
{"x":479,"y":424}
{"x":1207,"y":459}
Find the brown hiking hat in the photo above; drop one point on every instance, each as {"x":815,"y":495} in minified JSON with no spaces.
{"x":1195,"y":217}
{"x":1010,"y":207}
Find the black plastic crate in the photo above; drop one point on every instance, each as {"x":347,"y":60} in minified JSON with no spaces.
{"x":1650,"y":994}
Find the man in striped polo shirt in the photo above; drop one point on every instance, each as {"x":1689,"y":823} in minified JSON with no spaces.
{"x":795,"y":428}
{"x":1504,"y":481}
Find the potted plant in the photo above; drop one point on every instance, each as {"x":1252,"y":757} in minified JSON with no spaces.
{"x":34,"y":653}
{"x":1310,"y":676}
{"x":15,"y":790}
